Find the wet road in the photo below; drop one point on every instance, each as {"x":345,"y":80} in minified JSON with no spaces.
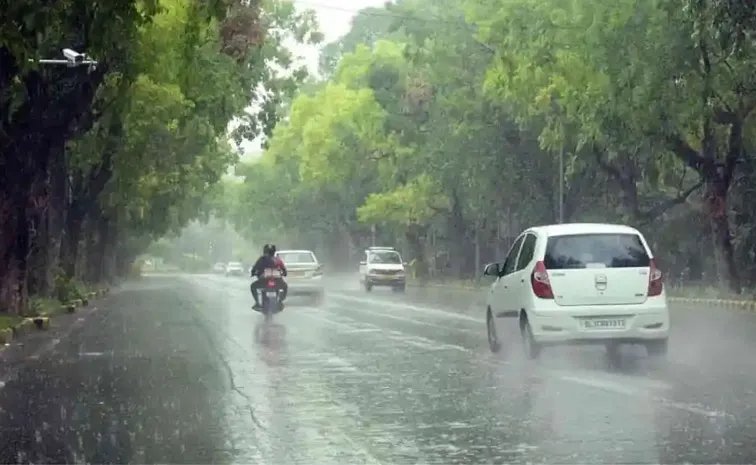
{"x":179,"y":370}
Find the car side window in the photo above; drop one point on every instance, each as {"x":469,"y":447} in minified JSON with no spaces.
{"x":509,"y":265}
{"x":527,"y":252}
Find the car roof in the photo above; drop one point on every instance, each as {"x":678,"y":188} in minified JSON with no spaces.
{"x":583,"y":228}
{"x":294,"y":251}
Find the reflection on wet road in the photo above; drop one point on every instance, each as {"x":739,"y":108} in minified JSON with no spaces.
{"x":179,"y":370}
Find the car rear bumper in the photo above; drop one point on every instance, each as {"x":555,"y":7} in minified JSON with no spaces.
{"x":305,"y":286}
{"x":569,"y":326}
{"x":386,"y":280}
{"x":235,"y":273}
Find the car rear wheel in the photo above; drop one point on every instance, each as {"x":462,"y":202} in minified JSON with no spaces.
{"x":368,"y":287}
{"x":493,"y":337}
{"x":529,"y":345}
{"x":318,"y":299}
{"x":657,"y":348}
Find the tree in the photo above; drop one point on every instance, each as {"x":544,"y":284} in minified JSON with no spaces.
{"x":466,"y":109}
{"x":143,"y":137}
{"x":643,"y":95}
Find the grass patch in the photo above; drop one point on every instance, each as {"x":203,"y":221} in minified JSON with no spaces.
{"x":9,"y":321}
{"x":44,"y":305}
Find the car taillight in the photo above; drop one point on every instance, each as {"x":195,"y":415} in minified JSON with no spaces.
{"x":655,"y":284}
{"x":318,"y":270}
{"x":539,"y":281}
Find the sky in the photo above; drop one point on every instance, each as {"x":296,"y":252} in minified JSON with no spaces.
{"x":335,"y":19}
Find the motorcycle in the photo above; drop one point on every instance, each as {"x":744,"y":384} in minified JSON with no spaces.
{"x":271,"y":293}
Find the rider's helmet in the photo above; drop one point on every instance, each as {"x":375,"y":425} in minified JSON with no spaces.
{"x":271,"y":249}
{"x":266,"y":249}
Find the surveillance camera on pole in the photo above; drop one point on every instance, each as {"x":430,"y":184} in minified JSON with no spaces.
{"x":72,"y":60}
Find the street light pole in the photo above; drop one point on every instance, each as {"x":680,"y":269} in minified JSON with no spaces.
{"x":561,"y":184}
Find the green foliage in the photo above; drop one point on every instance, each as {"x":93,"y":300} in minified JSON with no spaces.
{"x":67,"y":288}
{"x":440,"y":127}
{"x":140,"y":144}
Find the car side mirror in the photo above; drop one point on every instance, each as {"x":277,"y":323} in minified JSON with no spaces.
{"x":492,"y":269}
{"x":405,"y":263}
{"x":363,"y":263}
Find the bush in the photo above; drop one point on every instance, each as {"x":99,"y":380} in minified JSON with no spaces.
{"x":40,"y":305}
{"x":66,"y":289}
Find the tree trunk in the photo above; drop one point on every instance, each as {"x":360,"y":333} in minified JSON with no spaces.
{"x":38,"y":283}
{"x":110,"y":246}
{"x":45,"y":244}
{"x":724,"y":253}
{"x":69,"y":252}
{"x":14,"y":246}
{"x":457,"y":237}
{"x":97,"y":250}
{"x":415,"y":237}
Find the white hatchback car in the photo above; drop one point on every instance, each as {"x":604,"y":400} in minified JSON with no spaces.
{"x":580,"y":284}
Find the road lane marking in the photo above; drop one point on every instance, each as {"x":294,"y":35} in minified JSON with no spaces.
{"x":403,"y":306}
{"x":624,"y":388}
{"x":406,"y":320}
{"x":394,"y":335}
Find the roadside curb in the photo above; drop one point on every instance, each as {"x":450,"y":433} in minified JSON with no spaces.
{"x":746,"y":305}
{"x":41,"y":322}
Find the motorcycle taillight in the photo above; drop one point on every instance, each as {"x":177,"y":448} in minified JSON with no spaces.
{"x":271,"y":284}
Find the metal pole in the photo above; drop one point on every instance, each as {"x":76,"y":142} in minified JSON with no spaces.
{"x":372,"y":235}
{"x":561,"y":184}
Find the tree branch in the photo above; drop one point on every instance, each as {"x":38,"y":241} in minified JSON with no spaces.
{"x":659,"y":209}
{"x":610,"y":169}
{"x":686,"y":153}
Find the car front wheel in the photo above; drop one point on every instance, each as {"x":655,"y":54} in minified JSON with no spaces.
{"x":493,"y":337}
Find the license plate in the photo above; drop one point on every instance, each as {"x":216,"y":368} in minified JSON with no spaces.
{"x":270,"y":294}
{"x":614,"y":323}
{"x":296,"y":274}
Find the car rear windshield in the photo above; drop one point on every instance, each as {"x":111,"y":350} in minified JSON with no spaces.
{"x":595,"y":250}
{"x":297,"y":257}
{"x":234,"y":265}
{"x":391,"y":258}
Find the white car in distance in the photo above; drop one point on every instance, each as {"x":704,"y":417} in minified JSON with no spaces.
{"x":383,"y":266}
{"x":305,"y":273}
{"x":580,"y":284}
{"x":234,"y":269}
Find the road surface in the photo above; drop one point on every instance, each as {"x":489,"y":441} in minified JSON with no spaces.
{"x":177,"y":369}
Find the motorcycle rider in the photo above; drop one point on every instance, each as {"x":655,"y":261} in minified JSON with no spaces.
{"x":268,"y":260}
